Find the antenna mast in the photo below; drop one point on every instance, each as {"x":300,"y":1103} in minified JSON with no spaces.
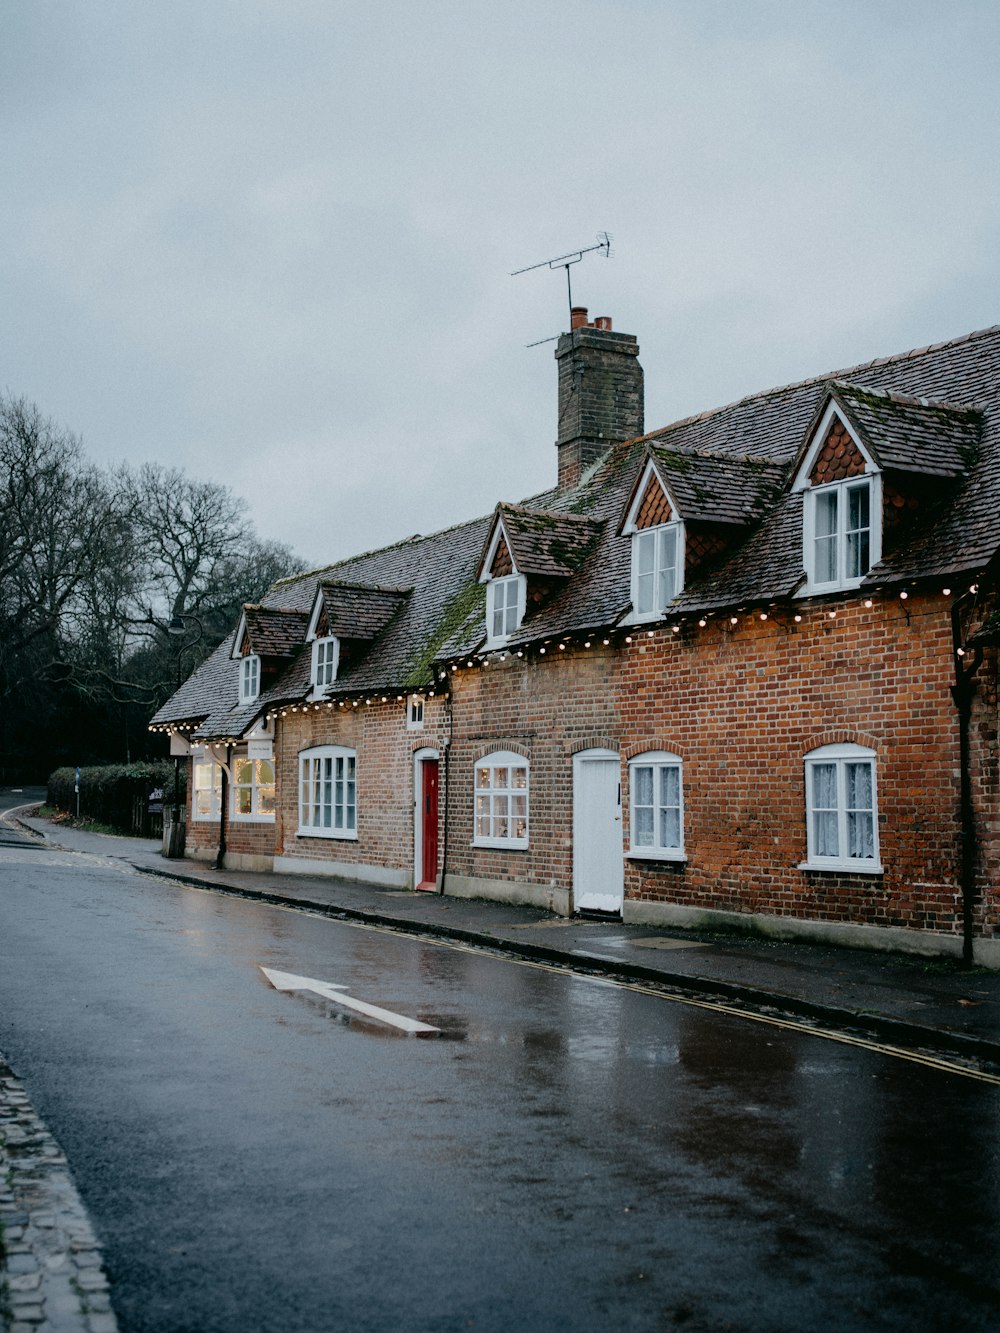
{"x":565,"y":261}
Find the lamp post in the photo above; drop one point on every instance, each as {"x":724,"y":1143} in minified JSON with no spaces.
{"x":178,"y":629}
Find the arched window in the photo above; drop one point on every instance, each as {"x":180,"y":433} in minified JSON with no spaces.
{"x":656,"y":790}
{"x":328,"y":802}
{"x":841,"y":809}
{"x":501,"y":800}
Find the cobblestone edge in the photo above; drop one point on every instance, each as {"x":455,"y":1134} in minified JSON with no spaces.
{"x":52,"y":1276}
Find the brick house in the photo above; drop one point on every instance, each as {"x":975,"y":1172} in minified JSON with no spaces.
{"x":739,"y":670}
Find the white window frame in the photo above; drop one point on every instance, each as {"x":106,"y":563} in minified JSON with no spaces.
{"x":872,"y":482}
{"x":201,"y":762}
{"x":331,"y":772}
{"x":490,"y":800}
{"x":249,"y":678}
{"x":258,"y":789}
{"x":504,"y":586}
{"x":840,"y":757}
{"x":654,"y":536}
{"x":325,"y":661}
{"x":415,"y":706}
{"x":657,"y":850}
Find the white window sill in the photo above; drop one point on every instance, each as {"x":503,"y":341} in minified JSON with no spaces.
{"x":252,"y":819}
{"x":840,"y":866}
{"x":822,"y":589}
{"x":502,"y":844}
{"x":337,"y":835}
{"x":204,"y":819}
{"x":655,"y":854}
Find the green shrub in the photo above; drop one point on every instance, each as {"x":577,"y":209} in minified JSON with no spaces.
{"x":116,"y":794}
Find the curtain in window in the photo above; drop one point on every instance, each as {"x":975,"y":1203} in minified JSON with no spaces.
{"x":860,"y":820}
{"x":826,"y":537}
{"x":824,"y":799}
{"x":858,"y":531}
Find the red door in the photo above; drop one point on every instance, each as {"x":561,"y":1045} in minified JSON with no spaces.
{"x":428,"y":824}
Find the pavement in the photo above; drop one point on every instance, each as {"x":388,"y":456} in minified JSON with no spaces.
{"x":914,"y":1003}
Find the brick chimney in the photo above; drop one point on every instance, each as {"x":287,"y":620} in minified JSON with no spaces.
{"x":600,"y":393}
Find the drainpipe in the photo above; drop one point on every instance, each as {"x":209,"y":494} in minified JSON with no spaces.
{"x":447,"y":790}
{"x":962,"y":692}
{"x":223,"y":809}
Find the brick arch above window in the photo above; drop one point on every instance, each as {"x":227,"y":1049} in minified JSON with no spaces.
{"x":512,"y":743}
{"x":594,"y":743}
{"x":841,"y":736}
{"x":665,"y":744}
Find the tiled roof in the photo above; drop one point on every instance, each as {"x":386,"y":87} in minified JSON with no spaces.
{"x":273,"y":633}
{"x":912,"y":434}
{"x":716,"y":489}
{"x":960,"y":381}
{"x":546,"y":543}
{"x":360,"y":611}
{"x":935,"y":410}
{"x":440,"y":571}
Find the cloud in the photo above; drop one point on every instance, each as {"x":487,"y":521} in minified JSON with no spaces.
{"x":271,"y":242}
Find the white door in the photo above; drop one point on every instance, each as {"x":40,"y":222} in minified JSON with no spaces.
{"x":598,"y":865}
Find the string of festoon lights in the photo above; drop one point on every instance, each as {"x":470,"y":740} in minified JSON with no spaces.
{"x":728,"y":621}
{"x":589,"y":640}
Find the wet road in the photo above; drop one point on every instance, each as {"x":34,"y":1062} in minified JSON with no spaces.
{"x":563,"y":1154}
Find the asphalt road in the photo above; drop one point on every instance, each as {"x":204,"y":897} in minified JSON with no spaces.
{"x":562,"y":1154}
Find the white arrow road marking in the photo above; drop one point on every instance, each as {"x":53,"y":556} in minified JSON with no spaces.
{"x":289,"y":981}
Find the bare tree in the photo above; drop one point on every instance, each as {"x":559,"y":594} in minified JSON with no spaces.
{"x":60,"y":522}
{"x":93,"y":568}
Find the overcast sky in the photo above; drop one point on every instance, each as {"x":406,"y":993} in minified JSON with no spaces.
{"x":270,"y":241}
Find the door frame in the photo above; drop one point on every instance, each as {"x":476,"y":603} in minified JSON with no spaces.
{"x":582,"y":757}
{"x":419,"y":756}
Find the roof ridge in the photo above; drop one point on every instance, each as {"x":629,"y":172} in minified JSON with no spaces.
{"x":549,"y":513}
{"x":378,"y":550}
{"x":825,"y":378}
{"x":912,"y":400}
{"x":699,"y":451}
{"x":394,"y":588}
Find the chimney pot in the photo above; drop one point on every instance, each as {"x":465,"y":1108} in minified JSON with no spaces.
{"x":603,"y":322}
{"x":578,"y":317}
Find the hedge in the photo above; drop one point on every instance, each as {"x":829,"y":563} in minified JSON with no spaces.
{"x":117,"y":794}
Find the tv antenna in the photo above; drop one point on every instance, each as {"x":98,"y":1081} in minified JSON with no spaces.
{"x":566,"y":262}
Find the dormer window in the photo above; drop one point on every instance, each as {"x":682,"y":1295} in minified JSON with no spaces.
{"x":325,"y":659}
{"x":505,"y":599}
{"x":657,"y":534}
{"x":249,"y":678}
{"x":841,"y":489}
{"x":840,"y":536}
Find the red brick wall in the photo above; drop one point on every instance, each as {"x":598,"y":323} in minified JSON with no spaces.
{"x":544,"y":708}
{"x":743,"y":705}
{"x":385,"y":749}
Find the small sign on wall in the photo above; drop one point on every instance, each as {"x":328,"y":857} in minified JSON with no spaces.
{"x":260,"y":749}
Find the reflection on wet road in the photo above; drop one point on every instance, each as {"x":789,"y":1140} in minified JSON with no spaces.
{"x":564,"y":1153}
